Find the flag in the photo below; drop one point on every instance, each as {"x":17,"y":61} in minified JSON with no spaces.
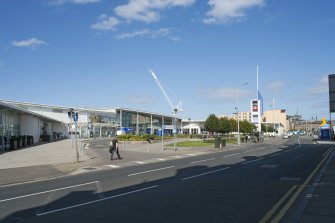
{"x":260,"y":98}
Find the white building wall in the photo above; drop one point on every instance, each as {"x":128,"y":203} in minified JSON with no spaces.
{"x":30,"y":126}
{"x":60,"y":116}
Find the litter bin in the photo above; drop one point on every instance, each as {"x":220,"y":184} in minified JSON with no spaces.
{"x":223,"y":143}
{"x":217,"y":142}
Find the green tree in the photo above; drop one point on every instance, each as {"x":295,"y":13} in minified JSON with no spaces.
{"x":246,"y":126}
{"x":267,"y":128}
{"x":233,"y":125}
{"x":225,"y":126}
{"x":212,"y":124}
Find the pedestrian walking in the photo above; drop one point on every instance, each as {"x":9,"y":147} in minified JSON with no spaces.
{"x":114,"y":148}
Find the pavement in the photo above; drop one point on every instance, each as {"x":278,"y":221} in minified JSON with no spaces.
{"x":46,"y":161}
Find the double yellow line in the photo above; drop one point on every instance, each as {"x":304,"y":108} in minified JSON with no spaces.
{"x":298,"y":189}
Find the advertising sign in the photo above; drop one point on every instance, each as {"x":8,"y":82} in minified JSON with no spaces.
{"x":331,"y":82}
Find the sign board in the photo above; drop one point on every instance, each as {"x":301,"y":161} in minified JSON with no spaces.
{"x":256,"y":106}
{"x":331,"y":82}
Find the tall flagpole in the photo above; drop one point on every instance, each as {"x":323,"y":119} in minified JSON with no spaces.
{"x":259,"y":127}
{"x":257,"y":83}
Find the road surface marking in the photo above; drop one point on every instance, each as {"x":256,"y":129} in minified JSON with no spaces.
{"x":113,"y":166}
{"x":133,"y":174}
{"x":261,"y":148}
{"x":249,"y":151}
{"x":199,"y":161}
{"x":284,"y":210}
{"x":269,"y":214}
{"x":160,"y":159}
{"x":199,"y":175}
{"x":252,"y":161}
{"x":140,"y":162}
{"x":96,"y":201}
{"x":277,"y":154}
{"x":48,"y":191}
{"x":178,"y":157}
{"x":288,"y":150}
{"x":232,"y":154}
{"x":191,"y":154}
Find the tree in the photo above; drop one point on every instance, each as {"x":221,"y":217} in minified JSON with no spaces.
{"x":212,"y":124}
{"x":246,"y":126}
{"x":267,"y":128}
{"x":233,"y":125}
{"x":225,"y":126}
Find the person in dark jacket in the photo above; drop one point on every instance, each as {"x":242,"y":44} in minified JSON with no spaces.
{"x":114,"y":148}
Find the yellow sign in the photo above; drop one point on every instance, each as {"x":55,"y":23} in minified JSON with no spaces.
{"x":324,"y":122}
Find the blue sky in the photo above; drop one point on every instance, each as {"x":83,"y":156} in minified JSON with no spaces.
{"x":96,"y":53}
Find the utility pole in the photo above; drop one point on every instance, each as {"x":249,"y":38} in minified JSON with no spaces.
{"x":74,"y":116}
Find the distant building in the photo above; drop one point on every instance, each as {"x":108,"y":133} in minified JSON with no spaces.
{"x":91,"y":122}
{"x":193,"y":126}
{"x":276,"y":118}
{"x":243,"y":116}
{"x":293,"y":122}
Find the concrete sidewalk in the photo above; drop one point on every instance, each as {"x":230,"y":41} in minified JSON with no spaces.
{"x":321,"y":197}
{"x":39,"y":162}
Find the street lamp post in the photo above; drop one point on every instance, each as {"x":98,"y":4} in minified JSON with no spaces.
{"x":237,"y":113}
{"x":74,"y":116}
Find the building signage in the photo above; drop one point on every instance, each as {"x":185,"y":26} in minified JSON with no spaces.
{"x":256,"y":113}
{"x":331,"y":82}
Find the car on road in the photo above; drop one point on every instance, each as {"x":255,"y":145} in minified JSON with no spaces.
{"x":285,"y":137}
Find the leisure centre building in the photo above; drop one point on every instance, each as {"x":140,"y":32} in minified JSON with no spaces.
{"x":22,"y":118}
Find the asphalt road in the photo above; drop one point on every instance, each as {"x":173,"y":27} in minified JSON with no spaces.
{"x":252,"y":184}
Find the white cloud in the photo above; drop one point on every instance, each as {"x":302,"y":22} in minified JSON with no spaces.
{"x":147,"y":10}
{"x":105,"y":23}
{"x":33,"y":42}
{"x":223,"y":11}
{"x":275,"y":86}
{"x":160,"y":33}
{"x":224,"y":94}
{"x":320,"y":88}
{"x":63,"y":2}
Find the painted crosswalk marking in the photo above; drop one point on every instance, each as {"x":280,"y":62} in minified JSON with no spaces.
{"x":113,"y":166}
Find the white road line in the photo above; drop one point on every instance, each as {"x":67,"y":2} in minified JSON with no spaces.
{"x":249,"y":151}
{"x":275,"y":155}
{"x":191,"y":154}
{"x":199,"y":161}
{"x":178,"y":157}
{"x":164,"y":168}
{"x":140,"y":162}
{"x":288,"y":150}
{"x":252,"y":161}
{"x":113,"y":166}
{"x":96,"y":201}
{"x":48,"y":191}
{"x":160,"y":159}
{"x":261,"y":148}
{"x":214,"y":171}
{"x":232,"y":154}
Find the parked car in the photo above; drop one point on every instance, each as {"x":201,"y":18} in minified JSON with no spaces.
{"x":285,"y":137}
